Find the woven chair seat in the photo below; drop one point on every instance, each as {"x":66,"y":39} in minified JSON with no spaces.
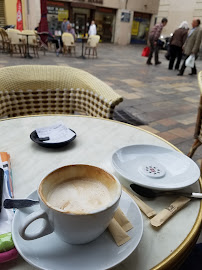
{"x":31,"y":90}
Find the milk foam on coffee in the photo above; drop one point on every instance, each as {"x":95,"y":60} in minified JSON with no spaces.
{"x":79,"y":196}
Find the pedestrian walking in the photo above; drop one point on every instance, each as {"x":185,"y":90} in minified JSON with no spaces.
{"x":153,"y":40}
{"x":64,"y":25}
{"x":92,"y":29}
{"x":192,"y":45}
{"x":176,"y":43}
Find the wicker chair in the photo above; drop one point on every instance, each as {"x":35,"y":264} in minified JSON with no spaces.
{"x":92,"y":44}
{"x":68,"y":43}
{"x":198,"y":127}
{"x":5,"y":40}
{"x":16,"y":42}
{"x":31,"y":90}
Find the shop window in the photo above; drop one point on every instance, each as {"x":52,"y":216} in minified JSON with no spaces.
{"x":105,"y":25}
{"x":57,"y":11}
{"x":81,"y":21}
{"x":140,"y":28}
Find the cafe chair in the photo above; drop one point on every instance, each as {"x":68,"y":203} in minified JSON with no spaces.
{"x":34,"y":89}
{"x":5,"y":40}
{"x":91,"y":45}
{"x":68,"y":43}
{"x":198,"y":126}
{"x":16,"y":42}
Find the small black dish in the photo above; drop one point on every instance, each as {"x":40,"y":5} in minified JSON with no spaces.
{"x":34,"y":137}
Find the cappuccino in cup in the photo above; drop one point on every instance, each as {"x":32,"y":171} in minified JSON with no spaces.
{"x":77,"y":202}
{"x":80,"y":196}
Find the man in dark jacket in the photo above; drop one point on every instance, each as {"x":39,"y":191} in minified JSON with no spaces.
{"x":176,"y":43}
{"x":192,"y":45}
{"x":153,"y":39}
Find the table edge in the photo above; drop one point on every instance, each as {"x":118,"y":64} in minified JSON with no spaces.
{"x":192,"y":236}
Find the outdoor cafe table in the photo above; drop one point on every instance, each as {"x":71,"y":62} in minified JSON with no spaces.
{"x":83,"y":39}
{"x":97,"y":139}
{"x":27,"y":54}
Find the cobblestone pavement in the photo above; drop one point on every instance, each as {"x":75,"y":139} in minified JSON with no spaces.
{"x":165,"y":103}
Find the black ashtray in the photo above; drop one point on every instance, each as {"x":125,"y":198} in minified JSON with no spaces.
{"x":34,"y":137}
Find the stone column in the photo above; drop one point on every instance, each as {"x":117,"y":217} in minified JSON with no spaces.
{"x":123,"y":29}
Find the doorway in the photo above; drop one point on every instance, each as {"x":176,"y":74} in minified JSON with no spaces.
{"x":80,"y":23}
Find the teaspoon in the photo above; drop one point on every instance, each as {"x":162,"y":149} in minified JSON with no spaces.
{"x":18,"y":203}
{"x":150,"y":193}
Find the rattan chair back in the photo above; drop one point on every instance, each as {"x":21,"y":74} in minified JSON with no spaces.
{"x":30,"y":90}
{"x":14,"y":36}
{"x":93,"y":41}
{"x":5,"y":39}
{"x":67,"y":39}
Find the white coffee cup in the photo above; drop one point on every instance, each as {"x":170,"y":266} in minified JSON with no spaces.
{"x":75,"y":225}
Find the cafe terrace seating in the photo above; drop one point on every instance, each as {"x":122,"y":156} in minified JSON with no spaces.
{"x":4,"y":40}
{"x":68,"y":43}
{"x":31,"y":90}
{"x":198,"y":127}
{"x":91,"y":45}
{"x":16,"y":42}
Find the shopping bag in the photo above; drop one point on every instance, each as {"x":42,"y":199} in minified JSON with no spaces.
{"x":146,"y":52}
{"x":190,"y":61}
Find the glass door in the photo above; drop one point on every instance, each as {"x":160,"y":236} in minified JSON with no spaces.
{"x":80,"y":24}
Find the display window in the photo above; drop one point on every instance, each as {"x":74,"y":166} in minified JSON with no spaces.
{"x":140,"y":28}
{"x":81,"y":21}
{"x":57,"y":12}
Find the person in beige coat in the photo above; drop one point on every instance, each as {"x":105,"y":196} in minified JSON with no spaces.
{"x":192,"y":45}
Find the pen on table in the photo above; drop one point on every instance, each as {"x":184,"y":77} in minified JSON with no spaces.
{"x":1,"y":186}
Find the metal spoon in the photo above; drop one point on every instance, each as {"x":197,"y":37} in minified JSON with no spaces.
{"x":18,"y":203}
{"x":149,"y":193}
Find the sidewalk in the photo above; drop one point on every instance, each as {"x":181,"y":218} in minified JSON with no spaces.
{"x":153,"y":95}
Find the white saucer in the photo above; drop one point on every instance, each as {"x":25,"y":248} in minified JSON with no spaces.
{"x":155,"y":167}
{"x":49,"y":252}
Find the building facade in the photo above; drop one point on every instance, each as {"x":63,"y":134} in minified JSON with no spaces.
{"x":118,"y":21}
{"x":178,"y":11}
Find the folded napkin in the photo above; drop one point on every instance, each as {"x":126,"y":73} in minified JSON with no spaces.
{"x":55,"y":134}
{"x":118,"y":227}
{"x":7,"y":250}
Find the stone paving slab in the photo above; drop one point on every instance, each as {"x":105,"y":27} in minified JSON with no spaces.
{"x":153,"y":94}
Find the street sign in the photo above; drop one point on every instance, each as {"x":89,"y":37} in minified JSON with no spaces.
{"x":125,"y":17}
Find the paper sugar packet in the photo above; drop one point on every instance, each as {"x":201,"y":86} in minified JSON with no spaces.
{"x":118,"y":227}
{"x":169,"y":211}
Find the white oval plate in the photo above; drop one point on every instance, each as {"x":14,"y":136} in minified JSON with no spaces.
{"x":51,"y":253}
{"x":155,"y":167}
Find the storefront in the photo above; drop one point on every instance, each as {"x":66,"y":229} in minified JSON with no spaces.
{"x":140,"y":28}
{"x":105,"y":21}
{"x":57,"y":12}
{"x":81,"y":15}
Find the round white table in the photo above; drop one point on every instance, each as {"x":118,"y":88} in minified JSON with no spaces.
{"x":96,"y":141}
